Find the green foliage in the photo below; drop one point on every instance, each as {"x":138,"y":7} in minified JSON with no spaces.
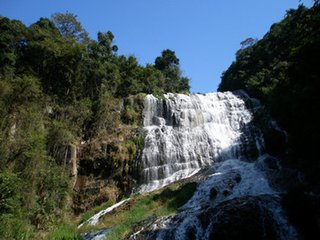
{"x":12,"y":40}
{"x":15,"y":227}
{"x":282,"y":70}
{"x":9,"y":190}
{"x":58,"y":139}
{"x":153,"y":80}
{"x":39,"y":199}
{"x":52,"y":189}
{"x":175,"y":198}
{"x":88,"y":214}
{"x":106,"y":114}
{"x":69,"y":26}
{"x":64,"y":231}
{"x":168,"y":64}
{"x":13,"y":224}
{"x":105,"y":44}
{"x":132,"y":109}
{"x":160,"y":203}
{"x":167,"y":60}
{"x":139,"y":141}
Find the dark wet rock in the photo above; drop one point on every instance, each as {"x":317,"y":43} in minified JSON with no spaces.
{"x":90,"y":192}
{"x":302,"y":207}
{"x":279,"y":177}
{"x":99,"y":235}
{"x":275,"y":141}
{"x":226,"y":192}
{"x":213,"y":193}
{"x":191,"y":234}
{"x":245,"y":218}
{"x":237,"y":178}
{"x":241,"y":218}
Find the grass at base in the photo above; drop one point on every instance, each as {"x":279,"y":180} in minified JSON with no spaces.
{"x":88,"y":214}
{"x":64,"y":231}
{"x":157,"y":204}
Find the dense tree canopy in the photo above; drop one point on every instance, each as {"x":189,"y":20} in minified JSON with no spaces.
{"x":282,"y":69}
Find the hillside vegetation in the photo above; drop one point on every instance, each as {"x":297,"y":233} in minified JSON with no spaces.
{"x":64,"y":98}
{"x":282,"y":69}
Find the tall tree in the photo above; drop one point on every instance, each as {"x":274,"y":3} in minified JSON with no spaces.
{"x":248,"y":42}
{"x":12,"y":40}
{"x":167,"y":60}
{"x":168,"y":64}
{"x":69,"y":26}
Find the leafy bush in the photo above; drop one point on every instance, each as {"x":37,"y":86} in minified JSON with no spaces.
{"x":13,"y":224}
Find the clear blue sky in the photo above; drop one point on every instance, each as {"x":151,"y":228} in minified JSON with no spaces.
{"x":205,"y":34}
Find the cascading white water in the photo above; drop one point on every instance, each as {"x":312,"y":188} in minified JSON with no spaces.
{"x":239,"y":187}
{"x":233,"y":193}
{"x":187,"y":132}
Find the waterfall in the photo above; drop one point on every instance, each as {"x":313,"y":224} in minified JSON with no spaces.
{"x":185,"y":133}
{"x":239,"y":187}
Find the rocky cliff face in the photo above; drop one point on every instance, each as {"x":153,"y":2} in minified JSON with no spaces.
{"x":105,"y":162}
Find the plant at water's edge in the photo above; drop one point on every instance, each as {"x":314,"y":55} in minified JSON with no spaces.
{"x":64,"y":231}
{"x":175,"y":198}
{"x":160,"y":96}
{"x":12,"y":227}
{"x":88,"y":214}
